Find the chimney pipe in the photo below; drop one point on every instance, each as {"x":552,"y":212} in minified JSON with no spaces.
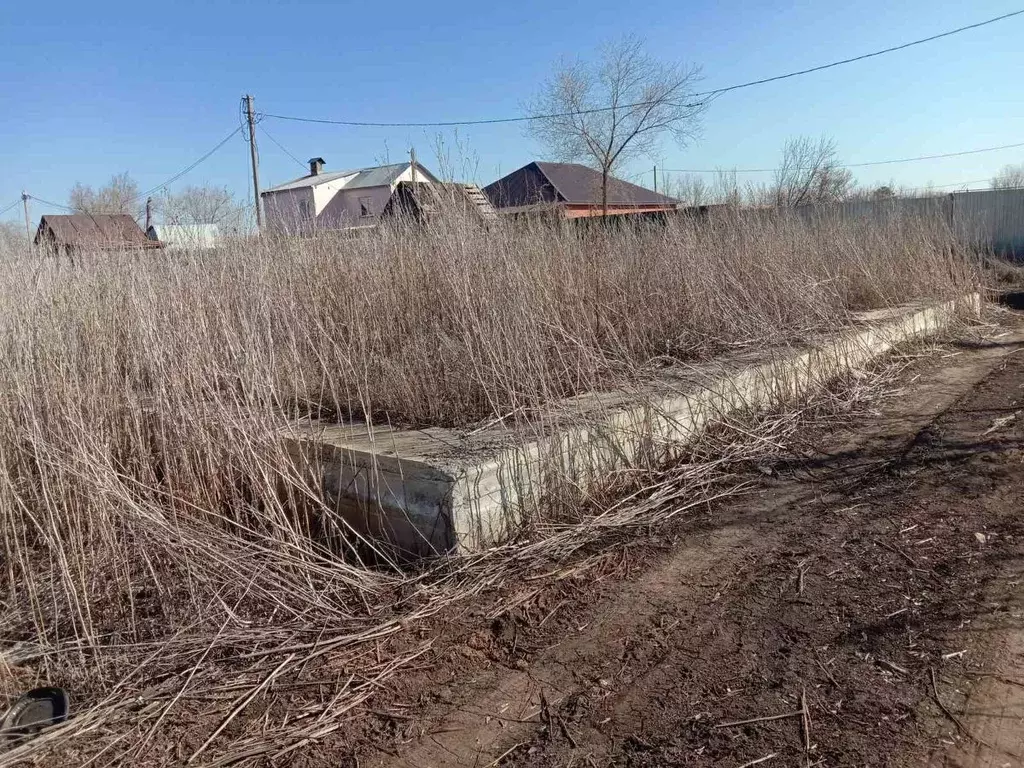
{"x":316,"y":165}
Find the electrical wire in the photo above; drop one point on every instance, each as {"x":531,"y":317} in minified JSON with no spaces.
{"x":149,"y":192}
{"x":282,"y":148}
{"x":848,"y":165}
{"x":9,"y":207}
{"x":863,"y":56}
{"x":956,"y":184}
{"x":53,"y":205}
{"x":192,"y":167}
{"x":710,"y":94}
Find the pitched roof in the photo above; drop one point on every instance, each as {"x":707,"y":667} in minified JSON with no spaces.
{"x":374,"y":176}
{"x":98,"y":230}
{"x":310,"y":181}
{"x":571,"y":183}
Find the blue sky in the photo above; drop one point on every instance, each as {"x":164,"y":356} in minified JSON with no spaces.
{"x":94,"y":89}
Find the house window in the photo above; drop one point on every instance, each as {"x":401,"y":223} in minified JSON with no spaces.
{"x":365,"y":206}
{"x":305,"y":210}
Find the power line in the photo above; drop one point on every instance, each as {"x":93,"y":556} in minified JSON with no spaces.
{"x":149,"y":192}
{"x":709,"y":94}
{"x":955,"y":184}
{"x":53,"y":205}
{"x":882,"y":52}
{"x":181,"y":173}
{"x":456,"y":123}
{"x":849,"y":165}
{"x":9,"y":207}
{"x":281,"y":146}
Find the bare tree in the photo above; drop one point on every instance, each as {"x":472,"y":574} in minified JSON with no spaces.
{"x":613,"y":110}
{"x":119,"y":195}
{"x":690,"y":190}
{"x":12,"y":238}
{"x":1009,"y":177}
{"x":201,"y":205}
{"x":465,"y":166}
{"x":810,"y":174}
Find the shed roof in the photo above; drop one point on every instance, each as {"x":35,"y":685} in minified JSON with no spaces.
{"x":374,"y":176}
{"x":570,"y":183}
{"x":99,"y":230}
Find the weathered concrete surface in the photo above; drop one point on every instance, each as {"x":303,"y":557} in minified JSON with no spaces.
{"x":438,"y":490}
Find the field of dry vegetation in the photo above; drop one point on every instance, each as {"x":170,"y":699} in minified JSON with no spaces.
{"x":145,"y":498}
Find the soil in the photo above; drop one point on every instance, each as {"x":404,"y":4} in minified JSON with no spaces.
{"x":862,"y":606}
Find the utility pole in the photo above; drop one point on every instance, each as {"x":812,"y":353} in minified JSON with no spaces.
{"x":28,"y":225}
{"x":655,"y":178}
{"x":250,"y":116}
{"x":412,"y":162}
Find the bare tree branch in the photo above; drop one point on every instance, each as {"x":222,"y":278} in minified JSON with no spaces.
{"x":1009,"y":177}
{"x":809,"y":174}
{"x":119,"y":195}
{"x":642,"y":98}
{"x":201,"y":205}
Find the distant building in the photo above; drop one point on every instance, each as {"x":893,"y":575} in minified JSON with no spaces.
{"x":91,"y":232}
{"x":426,"y":202}
{"x":572,"y":191}
{"x":191,"y":236}
{"x":339,"y":199}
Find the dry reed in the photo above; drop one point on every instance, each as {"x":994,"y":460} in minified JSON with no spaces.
{"x":148,"y":505}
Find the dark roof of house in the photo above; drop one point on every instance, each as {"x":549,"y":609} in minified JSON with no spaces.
{"x":99,"y":230}
{"x":568,"y":183}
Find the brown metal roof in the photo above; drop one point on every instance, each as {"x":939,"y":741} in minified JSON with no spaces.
{"x":99,"y":230}
{"x":568,"y":183}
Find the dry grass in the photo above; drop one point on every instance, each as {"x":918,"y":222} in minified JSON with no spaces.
{"x":148,"y":505}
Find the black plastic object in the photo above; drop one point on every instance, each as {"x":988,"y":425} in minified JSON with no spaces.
{"x":38,"y":709}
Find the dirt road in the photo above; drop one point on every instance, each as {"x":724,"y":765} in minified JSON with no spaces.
{"x":863,"y":607}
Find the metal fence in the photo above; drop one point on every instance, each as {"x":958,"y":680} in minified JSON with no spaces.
{"x":990,"y":219}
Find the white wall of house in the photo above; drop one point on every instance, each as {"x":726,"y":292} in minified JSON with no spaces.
{"x":330,"y":204}
{"x":346,"y":209}
{"x":283,"y":211}
{"x":324,"y":193}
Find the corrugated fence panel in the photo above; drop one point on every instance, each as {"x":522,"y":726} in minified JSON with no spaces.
{"x":880,"y":210}
{"x":993,"y":218}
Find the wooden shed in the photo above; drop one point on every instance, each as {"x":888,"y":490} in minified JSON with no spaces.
{"x":427,"y":202}
{"x":92,"y":232}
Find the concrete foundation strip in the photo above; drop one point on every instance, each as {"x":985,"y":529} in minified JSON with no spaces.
{"x":437,"y":490}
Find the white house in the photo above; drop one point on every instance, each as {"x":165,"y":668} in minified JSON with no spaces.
{"x":336,"y":200}
{"x":179,"y":236}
